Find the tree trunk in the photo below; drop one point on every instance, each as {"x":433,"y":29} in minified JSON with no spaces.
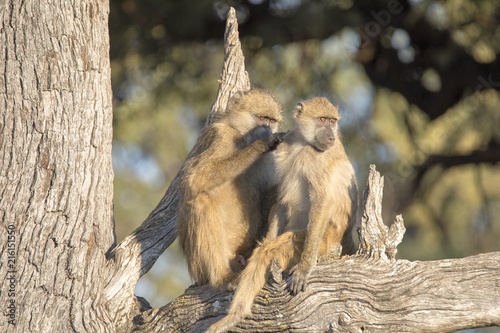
{"x":56,"y":177}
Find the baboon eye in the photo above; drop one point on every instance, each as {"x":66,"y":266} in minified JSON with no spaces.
{"x":273,"y":120}
{"x":262,"y":117}
{"x":333,"y":120}
{"x":323,"y":119}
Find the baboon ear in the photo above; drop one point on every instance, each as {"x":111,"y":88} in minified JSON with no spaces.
{"x":237,"y":95}
{"x":298,"y":110}
{"x":233,"y":100}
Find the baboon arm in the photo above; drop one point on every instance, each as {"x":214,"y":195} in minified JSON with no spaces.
{"x":216,"y":171}
{"x":315,"y":230}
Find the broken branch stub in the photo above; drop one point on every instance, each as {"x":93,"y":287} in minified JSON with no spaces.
{"x":376,"y":239}
{"x":233,"y":77}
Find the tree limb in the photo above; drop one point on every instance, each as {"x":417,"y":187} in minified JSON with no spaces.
{"x":489,"y":155}
{"x":369,"y":291}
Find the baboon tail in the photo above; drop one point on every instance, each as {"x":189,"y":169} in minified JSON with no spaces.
{"x":286,"y":249}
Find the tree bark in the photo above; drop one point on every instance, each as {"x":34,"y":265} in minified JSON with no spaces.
{"x":56,"y":177}
{"x":354,"y":294}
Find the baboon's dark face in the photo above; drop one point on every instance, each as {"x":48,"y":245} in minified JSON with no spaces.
{"x":268,"y":122}
{"x":326,"y":133}
{"x":253,"y":109}
{"x":258,"y":133}
{"x":253,"y":127}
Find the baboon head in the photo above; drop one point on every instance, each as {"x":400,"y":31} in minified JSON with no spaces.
{"x":317,"y":122}
{"x":254,"y":113}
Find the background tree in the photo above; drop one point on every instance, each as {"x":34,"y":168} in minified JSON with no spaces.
{"x":416,"y":81}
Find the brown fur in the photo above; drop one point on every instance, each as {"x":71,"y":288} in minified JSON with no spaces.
{"x":224,"y":187}
{"x":317,"y":201}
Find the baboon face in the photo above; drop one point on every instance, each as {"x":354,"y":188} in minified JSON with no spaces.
{"x":267,"y":121}
{"x":254,"y":114}
{"x":317,"y":122}
{"x":326,"y":131}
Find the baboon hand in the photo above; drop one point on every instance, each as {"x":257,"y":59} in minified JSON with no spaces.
{"x":275,"y":140}
{"x":260,"y":132}
{"x":299,"y":278}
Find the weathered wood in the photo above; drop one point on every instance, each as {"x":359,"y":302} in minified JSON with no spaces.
{"x":355,"y":294}
{"x":56,"y":173}
{"x":234,"y":76}
{"x":137,"y":253}
{"x":376,"y":239}
{"x":367,"y":292}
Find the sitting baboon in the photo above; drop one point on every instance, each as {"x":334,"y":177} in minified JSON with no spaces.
{"x":223,"y":207}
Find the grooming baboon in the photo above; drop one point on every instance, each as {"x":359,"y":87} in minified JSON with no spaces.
{"x":224,"y":186}
{"x":317,"y":202}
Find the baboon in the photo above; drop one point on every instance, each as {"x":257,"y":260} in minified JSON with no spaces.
{"x":224,"y":186}
{"x":315,"y":209}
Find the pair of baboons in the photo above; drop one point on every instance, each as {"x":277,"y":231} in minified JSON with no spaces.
{"x":249,"y":192}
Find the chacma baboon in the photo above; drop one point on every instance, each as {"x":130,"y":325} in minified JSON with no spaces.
{"x":315,"y":209}
{"x":224,"y":187}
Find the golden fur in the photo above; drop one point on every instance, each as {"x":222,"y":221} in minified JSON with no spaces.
{"x":224,"y":189}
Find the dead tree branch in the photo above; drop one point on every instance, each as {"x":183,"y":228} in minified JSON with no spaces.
{"x":138,"y":252}
{"x":370,"y":291}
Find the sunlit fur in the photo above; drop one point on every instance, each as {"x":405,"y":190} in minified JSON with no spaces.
{"x":316,"y":208}
{"x":224,"y":189}
{"x":248,"y":107}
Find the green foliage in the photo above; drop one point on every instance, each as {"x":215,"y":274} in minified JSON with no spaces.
{"x":416,"y":81}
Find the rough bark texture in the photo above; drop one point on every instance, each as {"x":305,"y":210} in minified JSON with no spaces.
{"x":376,"y":239}
{"x":56,"y":177}
{"x":57,"y":255}
{"x":367,"y":292}
{"x":355,"y":294}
